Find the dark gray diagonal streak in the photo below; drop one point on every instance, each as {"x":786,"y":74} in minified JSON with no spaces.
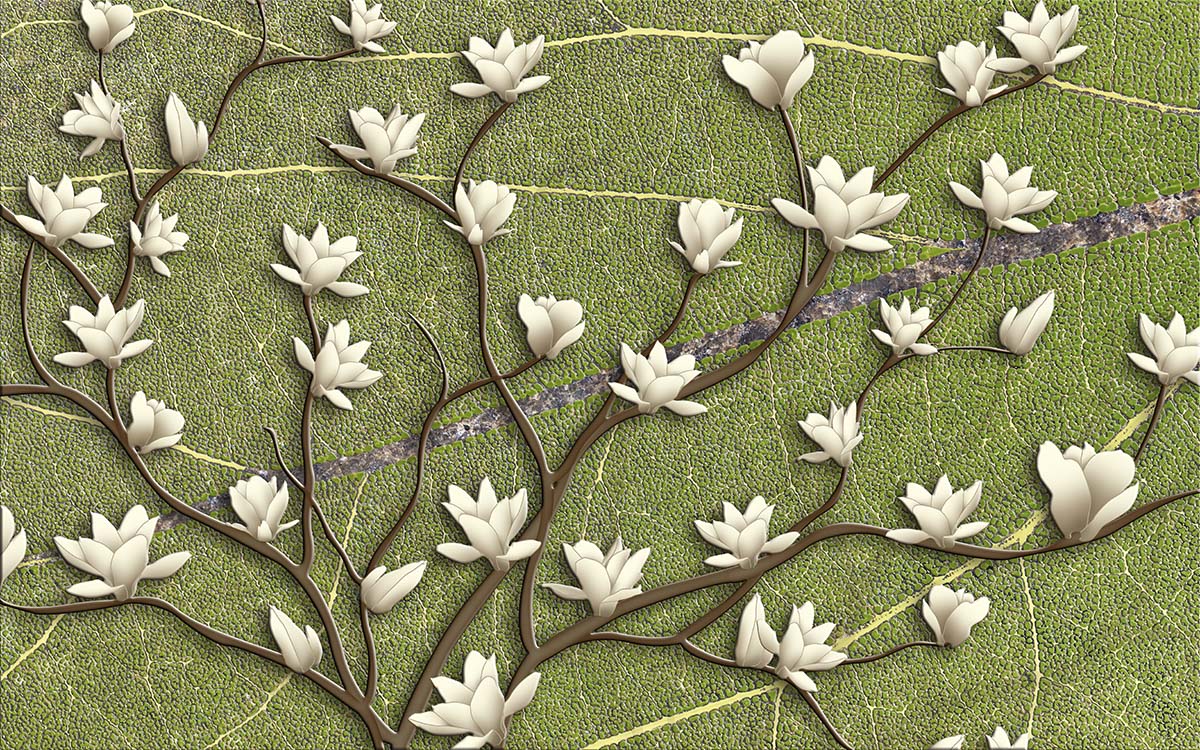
{"x":1007,"y":249}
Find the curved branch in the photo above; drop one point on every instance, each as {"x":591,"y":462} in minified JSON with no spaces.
{"x":76,"y":272}
{"x":44,"y":374}
{"x":892,"y":650}
{"x":407,"y":185}
{"x":1163,"y":392}
{"x":336,"y":544}
{"x":483,"y":130}
{"x":803,"y":177}
{"x":279,"y":459}
{"x":130,"y":172}
{"x":829,"y":727}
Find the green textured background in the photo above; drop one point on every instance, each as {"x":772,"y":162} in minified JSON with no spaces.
{"x":1091,"y":648}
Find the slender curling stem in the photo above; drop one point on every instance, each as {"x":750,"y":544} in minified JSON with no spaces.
{"x":77,"y":273}
{"x":993,"y":349}
{"x":125,"y":156}
{"x":1163,"y":392}
{"x":279,"y":459}
{"x":407,"y":185}
{"x":336,"y":544}
{"x":42,"y":372}
{"x":943,"y":120}
{"x":984,"y":242}
{"x":890,"y":651}
{"x":829,"y":727}
{"x":364,"y":618}
{"x":803,"y":177}
{"x":483,"y":130}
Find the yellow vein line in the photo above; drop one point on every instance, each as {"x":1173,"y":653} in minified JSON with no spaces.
{"x":270,"y":696}
{"x":189,"y":452}
{"x":675,"y":719}
{"x":1020,"y":536}
{"x":333,"y":592}
{"x":36,"y":645}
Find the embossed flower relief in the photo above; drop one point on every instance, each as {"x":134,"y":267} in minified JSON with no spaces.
{"x":158,"y":239}
{"x":744,"y":535}
{"x":952,"y":614}
{"x":1039,"y":40}
{"x":905,"y":326}
{"x":773,"y":71}
{"x":300,"y":648}
{"x":105,"y":335}
{"x":319,"y":263}
{"x":476,"y":706}
{"x":12,"y":544}
{"x":503,"y":69}
{"x":337,"y":365}
{"x":1175,"y":351}
{"x":1005,"y":197}
{"x":1088,"y":489}
{"x":605,"y":578}
{"x":551,"y":324}
{"x":801,"y":650}
{"x":187,"y":138}
{"x":965,"y":67}
{"x":98,"y":118}
{"x":63,"y":214}
{"x":108,"y":24}
{"x":482,"y":210}
{"x":657,"y":381}
{"x":707,"y":231}
{"x":940,"y":514}
{"x":260,"y":504}
{"x":491,"y":525}
{"x":1021,"y":329}
{"x":119,"y":557}
{"x":382,"y":589}
{"x":365,"y":26}
{"x":385,"y":141}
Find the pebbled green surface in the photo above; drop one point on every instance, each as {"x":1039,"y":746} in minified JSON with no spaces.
{"x":1088,"y":648}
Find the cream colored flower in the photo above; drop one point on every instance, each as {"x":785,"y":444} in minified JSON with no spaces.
{"x":476,"y":706}
{"x":843,"y":209}
{"x":905,"y":327}
{"x":708,"y":232}
{"x":482,"y":209}
{"x":1019,"y":331}
{"x":338,"y":365}
{"x":757,"y":643}
{"x":382,"y":589}
{"x":98,"y":118}
{"x":1088,"y":490}
{"x":774,"y":71}
{"x":953,"y":742}
{"x":803,"y":649}
{"x":837,"y":435}
{"x":108,"y":24}
{"x":187,"y":138}
{"x":744,"y":535}
{"x":301,"y":649}
{"x":491,"y":525}
{"x":385,"y":141}
{"x":152,"y":426}
{"x":551,"y":324}
{"x":606,"y":579}
{"x":260,"y":504}
{"x":1039,"y":40}
{"x":366,"y":25}
{"x":657,"y":382}
{"x":940,"y":514}
{"x":999,"y":740}
{"x":159,"y":238}
{"x":1176,"y":350}
{"x":118,"y":557}
{"x":320,"y":262}
{"x":63,"y":214}
{"x":965,"y":68}
{"x":951,"y":614}
{"x":502,"y":68}
{"x":1005,"y":197}
{"x":12,"y":544}
{"x":106,"y":335}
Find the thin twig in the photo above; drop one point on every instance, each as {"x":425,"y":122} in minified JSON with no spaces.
{"x":76,"y":272}
{"x":407,"y":185}
{"x":479,"y":134}
{"x":336,"y":544}
{"x":890,"y":651}
{"x":816,"y":707}
{"x":1163,"y":392}
{"x":803,"y":177}
{"x":279,"y":459}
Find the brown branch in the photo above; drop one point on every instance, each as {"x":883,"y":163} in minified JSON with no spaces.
{"x":829,"y":727}
{"x":44,"y":374}
{"x":479,"y":134}
{"x":125,"y":155}
{"x":279,"y":459}
{"x":310,"y":475}
{"x":336,"y":544}
{"x":943,"y":120}
{"x":984,"y":242}
{"x":803,"y":177}
{"x":407,"y":185}
{"x":80,"y":277}
{"x":1163,"y":392}
{"x":890,"y":651}
{"x":993,"y":349}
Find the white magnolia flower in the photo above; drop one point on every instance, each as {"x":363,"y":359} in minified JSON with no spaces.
{"x":382,"y":589}
{"x":491,"y":525}
{"x":366,"y":25}
{"x":838,"y":434}
{"x":187,"y":138}
{"x":105,"y":335}
{"x":118,"y":556}
{"x":1039,"y":40}
{"x":1005,"y":197}
{"x":657,"y":382}
{"x":63,"y":214}
{"x":476,"y":706}
{"x":999,"y":740}
{"x":1019,"y":331}
{"x":940,"y":514}
{"x":708,"y":232}
{"x":606,"y":579}
{"x":843,"y":209}
{"x":98,"y":118}
{"x":12,"y":544}
{"x":1088,"y":490}
{"x":951,"y":614}
{"x":551,"y":324}
{"x":152,"y":426}
{"x":338,"y":365}
{"x":301,"y":649}
{"x":320,"y":262}
{"x":744,"y":535}
{"x":965,"y":68}
{"x":757,"y":643}
{"x":803,"y":649}
{"x":953,"y":742}
{"x":159,"y":238}
{"x":1176,"y":350}
{"x":385,"y":141}
{"x":774,"y":71}
{"x":260,"y":504}
{"x":108,"y":24}
{"x":502,"y":68}
{"x":482,"y":209}
{"x":904,"y":327}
